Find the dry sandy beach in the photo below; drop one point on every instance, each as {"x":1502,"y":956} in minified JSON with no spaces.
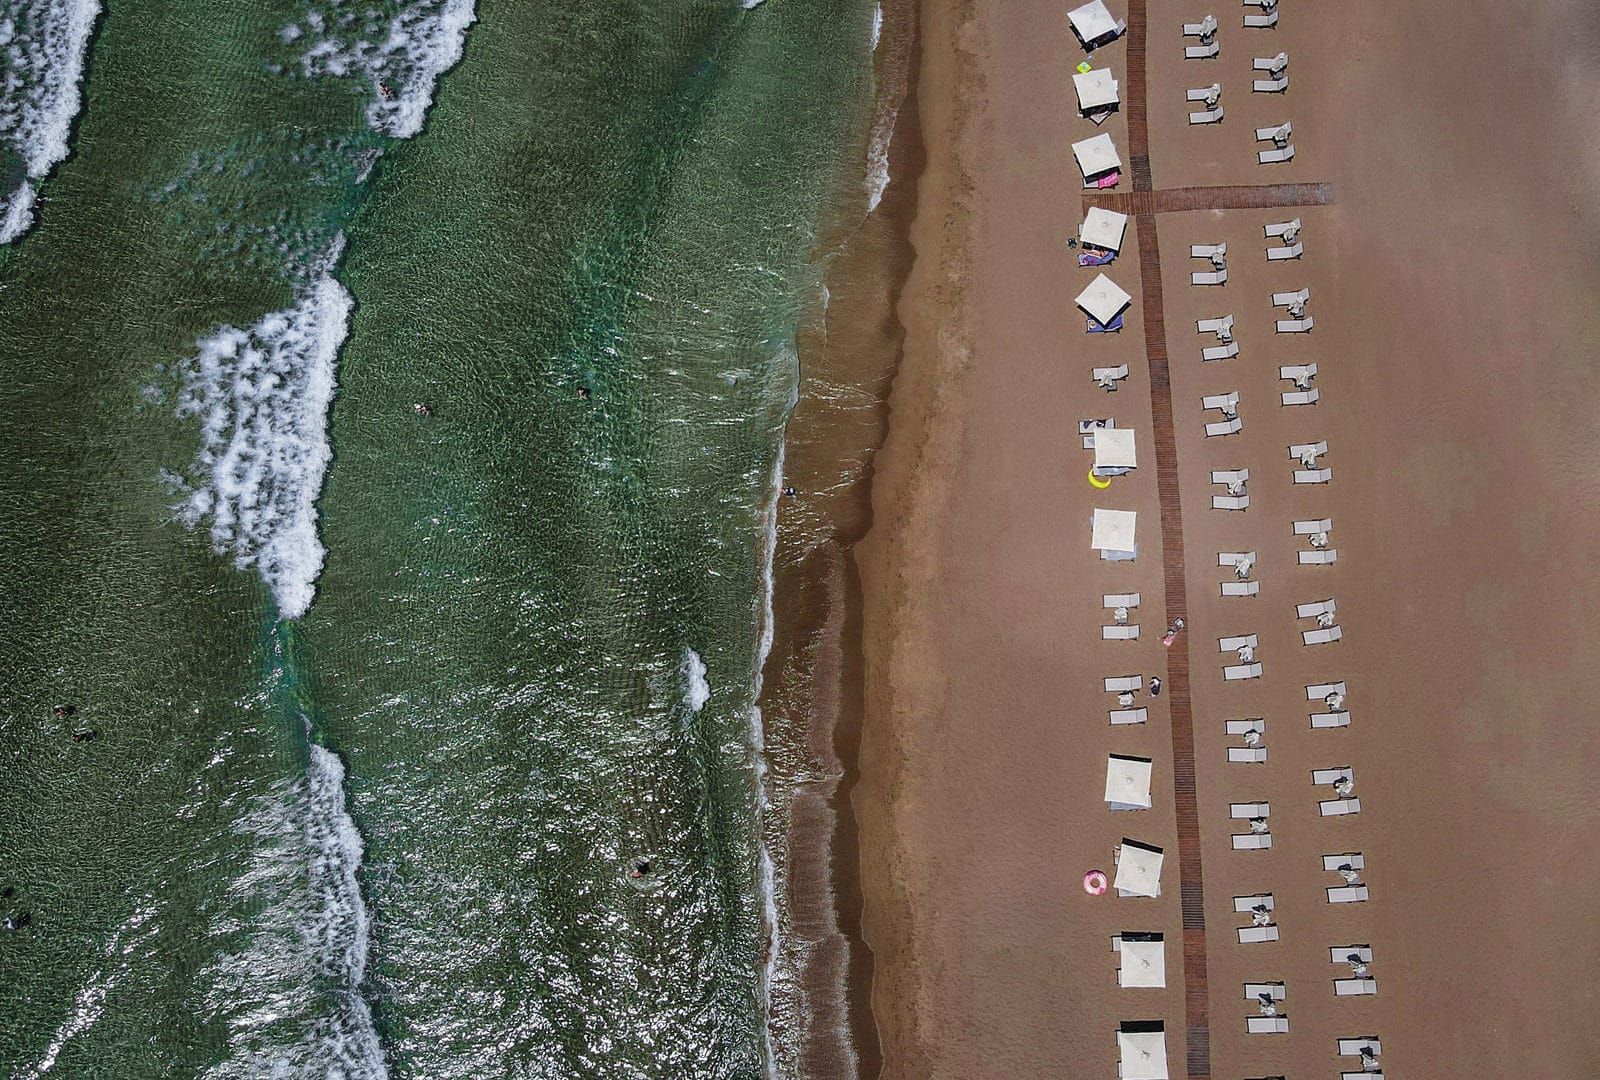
{"x":1452,"y":285}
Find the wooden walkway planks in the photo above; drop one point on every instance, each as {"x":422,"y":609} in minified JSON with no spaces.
{"x":1239,"y":197}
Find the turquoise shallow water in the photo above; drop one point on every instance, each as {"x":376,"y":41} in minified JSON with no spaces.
{"x":391,"y":836}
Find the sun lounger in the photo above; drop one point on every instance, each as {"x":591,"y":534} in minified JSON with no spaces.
{"x":1203,"y":93}
{"x":1262,"y":22}
{"x":1296,"y":373}
{"x":1207,"y":116}
{"x":1124,"y":683}
{"x":1282,"y":230}
{"x":1311,"y":528}
{"x":1230,"y":476}
{"x":1236,"y":672}
{"x":1277,"y":133}
{"x":1255,"y":935}
{"x":1222,"y":327}
{"x":1353,"y":859}
{"x":1225,"y":427}
{"x":1274,"y":64}
{"x":1330,"y":719}
{"x":1270,"y":86}
{"x":1206,"y":251}
{"x":1275,"y":157}
{"x":1208,"y":277}
{"x":1277,"y":991}
{"x":1202,"y":52}
{"x":1266,"y":1025}
{"x":1120,"y":599}
{"x":1204,"y":29}
{"x":1220,"y":352}
{"x":1247,"y":724}
{"x":1320,"y":691}
{"x":1286,"y":299}
{"x":1120,"y":633}
{"x":1353,"y":1047}
{"x":1129,"y":716}
{"x":1247,"y":755}
{"x":1233,"y":644}
{"x":1340,"y":954}
{"x":1230,"y":502}
{"x":1348,"y":894}
{"x":1324,"y":557}
{"x":1339,"y":807}
{"x":1301,"y":397}
{"x":1281,"y":254}
{"x":1241,"y":588}
{"x":1242,"y":904}
{"x":1226,"y":402}
{"x":1108,"y":377}
{"x":1354,"y":987}
{"x":1324,"y":636}
{"x":1315,"y":608}
{"x":1313,"y":476}
{"x":1240,"y":810}
{"x":1234,"y":558}
{"x":1252,"y":841}
{"x":1293,"y":326}
{"x":1324,"y":777}
{"x":1378,"y":1075}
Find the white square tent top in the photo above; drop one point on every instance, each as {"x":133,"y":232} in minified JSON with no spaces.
{"x":1114,"y":449}
{"x":1139,"y":869}
{"x":1143,"y":1055}
{"x":1096,"y":155}
{"x":1097,"y":89}
{"x":1103,"y":228}
{"x":1114,"y":530}
{"x":1103,"y":299}
{"x":1128,"y":781}
{"x":1144,"y":963}
{"x":1093,"y":23}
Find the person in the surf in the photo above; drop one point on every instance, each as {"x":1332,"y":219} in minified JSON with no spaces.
{"x":422,"y":408}
{"x":641,"y":867}
{"x":584,"y":393}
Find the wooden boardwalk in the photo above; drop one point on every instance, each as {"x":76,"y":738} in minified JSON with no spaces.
{"x":1141,"y":201}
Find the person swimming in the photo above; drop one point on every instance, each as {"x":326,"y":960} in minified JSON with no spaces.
{"x":641,"y":867}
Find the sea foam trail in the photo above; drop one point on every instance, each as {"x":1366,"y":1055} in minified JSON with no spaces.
{"x":698,"y":691}
{"x":310,"y":931}
{"x":262,"y":396}
{"x":45,"y":42}
{"x":758,"y":738}
{"x":401,"y":57}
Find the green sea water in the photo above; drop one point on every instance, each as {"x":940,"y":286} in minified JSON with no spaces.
{"x":392,"y":835}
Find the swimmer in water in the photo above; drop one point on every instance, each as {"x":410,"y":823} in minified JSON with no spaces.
{"x":641,"y":867}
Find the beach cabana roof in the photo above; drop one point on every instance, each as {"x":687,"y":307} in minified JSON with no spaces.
{"x":1103,"y":228}
{"x":1093,"y":21}
{"x":1143,"y":1054}
{"x":1113,"y":449}
{"x":1144,"y":963}
{"x":1096,"y":155}
{"x":1097,"y":89}
{"x":1139,"y":869}
{"x":1114,"y":530}
{"x":1103,"y":299}
{"x":1128,"y":781}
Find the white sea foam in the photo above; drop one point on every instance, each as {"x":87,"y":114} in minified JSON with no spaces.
{"x":758,"y":740}
{"x":878,"y":162}
{"x":401,"y":57}
{"x":699,"y":690}
{"x":308,"y":931}
{"x":44,"y":42}
{"x":262,"y":397}
{"x":877,"y":26}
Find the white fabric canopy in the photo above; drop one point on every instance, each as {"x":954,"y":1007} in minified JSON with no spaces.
{"x":1128,"y":781}
{"x":1096,"y":155}
{"x":1114,"y":530}
{"x":1143,"y":1054}
{"x":1096,"y":88}
{"x":1139,"y":869}
{"x":1092,"y":21}
{"x":1113,"y":449}
{"x":1103,"y":299}
{"x":1144,"y":963}
{"x":1103,"y":228}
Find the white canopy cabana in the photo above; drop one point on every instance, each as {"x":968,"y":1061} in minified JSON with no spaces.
{"x":1114,"y":449}
{"x":1097,"y":89}
{"x":1093,"y":23}
{"x":1143,"y":1054}
{"x":1096,"y":154}
{"x":1128,"y":781}
{"x":1144,"y":963}
{"x":1103,"y":300}
{"x":1114,"y":530}
{"x":1103,"y":228}
{"x":1139,"y":869}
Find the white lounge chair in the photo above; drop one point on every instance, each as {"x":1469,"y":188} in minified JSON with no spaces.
{"x":1208,"y":277}
{"x":1299,"y":374}
{"x":1353,"y":859}
{"x":1255,"y":935}
{"x":1313,"y":476}
{"x":1209,"y":94}
{"x":1207,"y":116}
{"x":1208,"y":251}
{"x":1120,"y":633}
{"x":1330,"y":719}
{"x":1108,"y":377}
{"x":1262,"y":22}
{"x":1355,"y":987}
{"x":1129,"y":716}
{"x":1323,"y":636}
{"x":1353,"y":1047}
{"x":1339,"y":807}
{"x":1340,"y":954}
{"x":1247,"y":755}
{"x":1300,"y":397}
{"x":1273,"y":65}
{"x":1241,"y":588}
{"x":1230,"y":502}
{"x":1277,"y":991}
{"x":1234,"y":558}
{"x":1124,"y":683}
{"x":1237,"y":672}
{"x":1202,"y":52}
{"x":1287,"y":231}
{"x":1123,"y":599}
{"x":1220,"y":352}
{"x":1266,"y":1025}
{"x":1320,"y":691}
{"x":1348,"y":894}
{"x":1244,"y":726}
{"x":1275,"y":157}
{"x":1230,"y":476}
{"x":1325,"y":557}
{"x":1277,"y":134}
{"x":1290,"y":299}
{"x":1270,"y":86}
{"x":1315,"y":608}
{"x":1310,"y":527}
{"x":1222,"y":327}
{"x":1296,"y":326}
{"x":1234,"y":644}
{"x":1252,"y":841}
{"x":1242,"y":904}
{"x":1291,"y":251}
{"x":1205,"y":29}
{"x":1225,"y":427}
{"x":1228,"y":403}
{"x":1244,"y":810}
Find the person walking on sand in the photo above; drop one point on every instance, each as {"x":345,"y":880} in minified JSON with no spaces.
{"x":1172,"y":633}
{"x":1155,"y":686}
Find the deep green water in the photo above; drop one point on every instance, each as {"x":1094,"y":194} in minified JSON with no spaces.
{"x":392,"y":836}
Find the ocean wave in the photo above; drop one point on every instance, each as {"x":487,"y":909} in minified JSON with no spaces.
{"x":878,"y":162}
{"x":877,"y":26}
{"x":401,"y":57}
{"x":699,"y":690}
{"x":45,"y":42}
{"x":262,"y":396}
{"x":309,"y":934}
{"x":758,"y":739}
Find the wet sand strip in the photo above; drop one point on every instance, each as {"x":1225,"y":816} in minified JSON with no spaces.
{"x":1142,"y":200}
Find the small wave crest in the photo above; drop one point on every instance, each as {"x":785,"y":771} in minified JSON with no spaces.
{"x":262,"y":396}
{"x":44,"y":43}
{"x":401,"y":57}
{"x":699,"y":690}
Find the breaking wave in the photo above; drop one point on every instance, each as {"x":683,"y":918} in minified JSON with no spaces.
{"x":262,"y":396}
{"x":699,"y":691}
{"x":45,"y":42}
